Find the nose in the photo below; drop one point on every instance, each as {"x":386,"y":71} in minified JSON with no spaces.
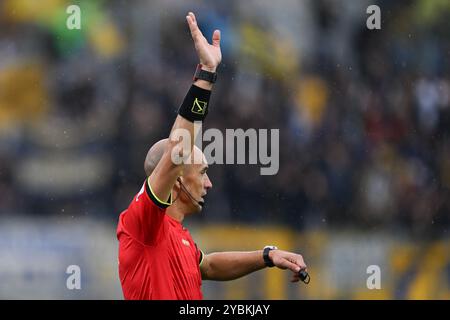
{"x":208,"y":183}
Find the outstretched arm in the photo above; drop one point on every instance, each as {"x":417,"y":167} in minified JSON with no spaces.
{"x":224,"y":266}
{"x":167,"y":171}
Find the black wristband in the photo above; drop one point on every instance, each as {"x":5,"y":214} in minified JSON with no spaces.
{"x":267,"y":261}
{"x":195,"y":104}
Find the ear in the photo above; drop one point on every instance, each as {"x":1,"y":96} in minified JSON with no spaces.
{"x":178,"y":183}
{"x":176,"y":190}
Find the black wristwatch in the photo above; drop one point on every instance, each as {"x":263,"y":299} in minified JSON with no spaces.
{"x":204,"y":75}
{"x":266,"y":258}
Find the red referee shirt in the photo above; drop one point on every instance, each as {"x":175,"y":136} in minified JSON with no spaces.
{"x":158,"y":259}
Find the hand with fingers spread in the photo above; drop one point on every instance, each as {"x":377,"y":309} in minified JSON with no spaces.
{"x":288,"y":260}
{"x":209,"y":54}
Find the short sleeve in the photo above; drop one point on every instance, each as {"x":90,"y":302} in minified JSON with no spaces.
{"x":144,"y":218}
{"x":200,"y":255}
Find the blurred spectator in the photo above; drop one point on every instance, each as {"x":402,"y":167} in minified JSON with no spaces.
{"x":364,"y":116}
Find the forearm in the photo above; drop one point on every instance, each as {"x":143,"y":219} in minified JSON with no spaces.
{"x":224,"y":266}
{"x":182,"y":138}
{"x":181,"y":141}
{"x":182,"y":124}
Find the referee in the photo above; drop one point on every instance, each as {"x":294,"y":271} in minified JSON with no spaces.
{"x":158,"y":259}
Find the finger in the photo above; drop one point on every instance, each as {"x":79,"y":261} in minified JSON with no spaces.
{"x":194,"y":20}
{"x":216,"y":38}
{"x":192,"y":15}
{"x":191,"y":23}
{"x":295,"y":277}
{"x":300,"y":262}
{"x":193,"y":27}
{"x":289,"y":265}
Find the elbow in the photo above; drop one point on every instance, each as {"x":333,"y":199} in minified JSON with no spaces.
{"x":207,"y":268}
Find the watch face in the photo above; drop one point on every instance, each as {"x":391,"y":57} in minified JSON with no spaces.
{"x":271,"y":247}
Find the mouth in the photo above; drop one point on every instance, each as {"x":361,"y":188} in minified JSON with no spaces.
{"x":202,"y":200}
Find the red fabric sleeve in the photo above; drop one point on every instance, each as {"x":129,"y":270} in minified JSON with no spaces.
{"x":144,"y":218}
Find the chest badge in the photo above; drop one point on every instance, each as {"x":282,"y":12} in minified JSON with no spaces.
{"x":185,"y":242}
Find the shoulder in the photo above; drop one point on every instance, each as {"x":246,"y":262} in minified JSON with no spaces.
{"x":147,"y":189}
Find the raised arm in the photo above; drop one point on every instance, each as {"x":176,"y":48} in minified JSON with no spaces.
{"x":193,"y":108}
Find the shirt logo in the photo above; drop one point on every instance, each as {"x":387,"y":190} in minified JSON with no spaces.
{"x":199,"y":107}
{"x":185,"y":242}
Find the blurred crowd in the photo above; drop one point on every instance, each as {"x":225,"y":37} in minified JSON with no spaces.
{"x":364,"y":115}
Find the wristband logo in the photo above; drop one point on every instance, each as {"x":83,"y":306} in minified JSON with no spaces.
{"x":199,"y":107}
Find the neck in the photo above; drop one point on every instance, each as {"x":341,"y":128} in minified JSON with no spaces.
{"x":176,"y":211}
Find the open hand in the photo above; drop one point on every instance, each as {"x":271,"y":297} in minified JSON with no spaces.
{"x":209,"y":54}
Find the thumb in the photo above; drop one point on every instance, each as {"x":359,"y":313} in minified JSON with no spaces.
{"x":216,"y":38}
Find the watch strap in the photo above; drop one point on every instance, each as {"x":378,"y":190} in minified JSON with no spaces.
{"x":204,"y":75}
{"x":267,"y":260}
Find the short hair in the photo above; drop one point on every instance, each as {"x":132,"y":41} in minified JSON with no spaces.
{"x":154,"y":155}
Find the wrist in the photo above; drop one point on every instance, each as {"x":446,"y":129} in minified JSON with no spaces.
{"x":271,"y":254}
{"x":204,"y":76}
{"x":268,"y":255}
{"x":208,"y":68}
{"x":203,"y":84}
